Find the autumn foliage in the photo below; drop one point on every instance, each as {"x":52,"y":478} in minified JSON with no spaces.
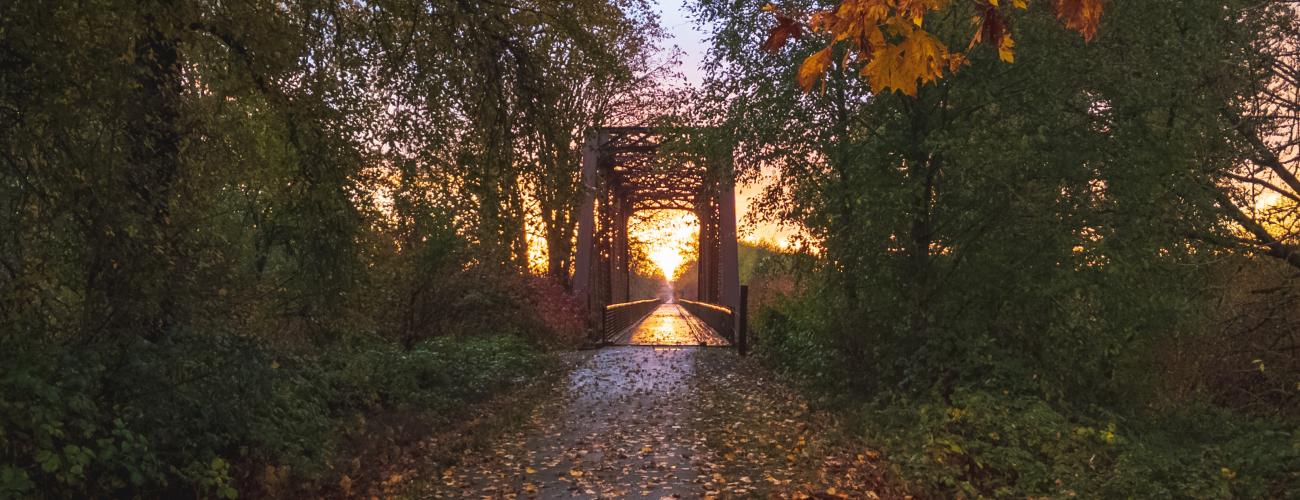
{"x":888,"y":39}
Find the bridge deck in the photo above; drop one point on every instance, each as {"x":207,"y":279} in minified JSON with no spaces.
{"x":670,"y":324}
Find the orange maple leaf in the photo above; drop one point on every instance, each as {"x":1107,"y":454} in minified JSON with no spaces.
{"x":1081,"y":15}
{"x":787,"y":28}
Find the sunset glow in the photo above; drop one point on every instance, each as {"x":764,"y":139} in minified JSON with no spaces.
{"x":665,"y":238}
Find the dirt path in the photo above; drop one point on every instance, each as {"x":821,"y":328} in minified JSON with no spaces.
{"x":666,"y":422}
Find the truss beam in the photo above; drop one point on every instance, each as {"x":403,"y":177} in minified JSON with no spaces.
{"x":623,"y":172}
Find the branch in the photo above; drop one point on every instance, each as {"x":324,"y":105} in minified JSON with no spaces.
{"x":1264,"y":156}
{"x":1264,"y":184}
{"x":1273,"y":247}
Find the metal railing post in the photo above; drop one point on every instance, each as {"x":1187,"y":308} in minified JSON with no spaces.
{"x":742,"y":333}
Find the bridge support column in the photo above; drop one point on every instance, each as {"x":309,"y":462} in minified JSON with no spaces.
{"x":585,"y":255}
{"x":604,"y":264}
{"x":620,"y":272}
{"x":703,"y":258}
{"x":729,"y":250}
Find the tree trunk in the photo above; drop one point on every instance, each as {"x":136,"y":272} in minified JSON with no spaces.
{"x":131,"y":252}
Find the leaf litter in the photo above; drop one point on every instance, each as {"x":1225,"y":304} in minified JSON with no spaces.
{"x":667,"y":422}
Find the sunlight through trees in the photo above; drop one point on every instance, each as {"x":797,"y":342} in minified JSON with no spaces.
{"x":665,"y":238}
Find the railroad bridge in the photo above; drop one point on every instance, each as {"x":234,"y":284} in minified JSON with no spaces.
{"x":627,"y":169}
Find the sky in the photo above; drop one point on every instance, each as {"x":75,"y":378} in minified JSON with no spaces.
{"x":694,"y":44}
{"x":684,"y":34}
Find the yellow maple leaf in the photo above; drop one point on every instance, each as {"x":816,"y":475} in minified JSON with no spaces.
{"x":813,"y":68}
{"x":1006,"y":49}
{"x":918,"y":57}
{"x":885,"y":71}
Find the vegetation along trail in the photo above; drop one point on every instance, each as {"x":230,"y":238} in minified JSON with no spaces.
{"x":302,"y":249}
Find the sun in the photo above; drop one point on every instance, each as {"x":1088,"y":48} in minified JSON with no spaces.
{"x":665,"y":238}
{"x":667,"y":260}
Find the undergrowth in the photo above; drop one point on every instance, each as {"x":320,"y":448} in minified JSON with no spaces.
{"x":993,"y":438}
{"x":209,"y":415}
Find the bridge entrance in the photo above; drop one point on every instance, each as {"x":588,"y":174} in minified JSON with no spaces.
{"x":627,"y":169}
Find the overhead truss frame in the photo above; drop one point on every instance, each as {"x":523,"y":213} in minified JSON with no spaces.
{"x":628,"y":169}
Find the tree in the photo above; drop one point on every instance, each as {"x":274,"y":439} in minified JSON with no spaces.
{"x":195,"y":197}
{"x":606,"y":73}
{"x":1261,"y":193}
{"x":1006,"y":210}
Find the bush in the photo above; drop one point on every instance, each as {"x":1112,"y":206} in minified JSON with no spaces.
{"x":985,"y":443}
{"x":200,"y":414}
{"x":437,"y":374}
{"x":996,"y":437}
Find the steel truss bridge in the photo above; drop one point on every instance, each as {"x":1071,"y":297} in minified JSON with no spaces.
{"x":627,"y":169}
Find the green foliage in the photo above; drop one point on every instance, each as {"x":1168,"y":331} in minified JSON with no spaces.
{"x":996,"y":436}
{"x":985,"y":443}
{"x":792,"y":339}
{"x":1005,"y":260}
{"x":227,"y":228}
{"x":205,"y":423}
{"x":438,"y":374}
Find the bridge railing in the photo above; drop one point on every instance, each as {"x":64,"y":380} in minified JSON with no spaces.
{"x":720,"y":318}
{"x":618,"y":317}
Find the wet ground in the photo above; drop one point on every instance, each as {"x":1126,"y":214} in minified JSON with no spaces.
{"x":662,"y":416}
{"x":618,"y":432}
{"x":666,"y":422}
{"x":670,"y":324}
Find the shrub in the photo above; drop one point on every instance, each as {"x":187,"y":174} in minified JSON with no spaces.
{"x":985,"y":443}
{"x":200,"y":414}
{"x":437,"y":374}
{"x":994,"y":436}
